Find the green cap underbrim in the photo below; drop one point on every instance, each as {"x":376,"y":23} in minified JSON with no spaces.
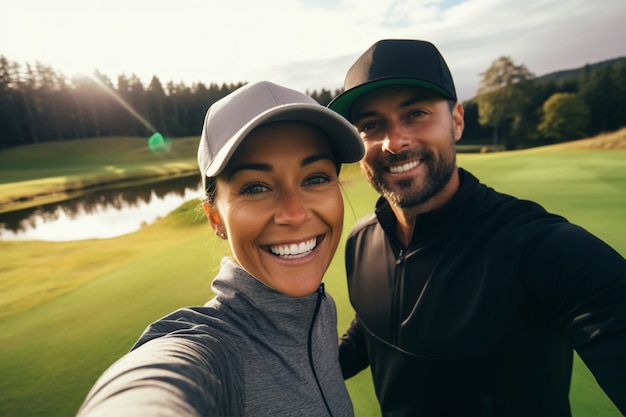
{"x":342,"y":104}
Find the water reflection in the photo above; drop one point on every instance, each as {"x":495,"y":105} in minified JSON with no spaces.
{"x":100,"y":214}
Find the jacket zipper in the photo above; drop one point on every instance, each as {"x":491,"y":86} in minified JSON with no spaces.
{"x":320,"y":295}
{"x":397,"y":293}
{"x":403,"y":255}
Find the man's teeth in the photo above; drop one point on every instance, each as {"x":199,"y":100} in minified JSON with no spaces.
{"x":294,"y":250}
{"x":403,"y":168}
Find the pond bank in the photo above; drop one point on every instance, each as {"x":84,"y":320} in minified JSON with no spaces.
{"x":101,"y":213}
{"x":57,"y":189}
{"x":37,"y":174}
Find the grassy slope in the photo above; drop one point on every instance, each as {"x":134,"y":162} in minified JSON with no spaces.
{"x":49,"y":172}
{"x":92,"y":299}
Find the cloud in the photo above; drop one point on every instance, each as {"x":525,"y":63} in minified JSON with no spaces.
{"x":302,"y":44}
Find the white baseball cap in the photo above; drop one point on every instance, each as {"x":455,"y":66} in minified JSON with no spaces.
{"x":229,"y":120}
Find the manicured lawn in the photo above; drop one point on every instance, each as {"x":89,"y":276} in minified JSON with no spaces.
{"x":69,"y":309}
{"x":49,"y":172}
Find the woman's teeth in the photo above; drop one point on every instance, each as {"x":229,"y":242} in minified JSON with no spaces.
{"x":404,"y":167}
{"x":294,"y":250}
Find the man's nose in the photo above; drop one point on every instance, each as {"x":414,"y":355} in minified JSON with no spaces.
{"x":396,"y":139}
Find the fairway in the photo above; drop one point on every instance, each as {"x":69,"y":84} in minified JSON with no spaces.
{"x":70,"y":309}
{"x":50,"y":172}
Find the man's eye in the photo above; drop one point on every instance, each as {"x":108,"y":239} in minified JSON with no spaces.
{"x":254,"y":188}
{"x":365,"y":127}
{"x":416,"y":113}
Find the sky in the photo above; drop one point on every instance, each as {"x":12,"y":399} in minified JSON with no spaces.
{"x":302,"y":44}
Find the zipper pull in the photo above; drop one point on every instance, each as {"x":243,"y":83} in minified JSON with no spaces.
{"x":321,"y":291}
{"x":400,"y":257}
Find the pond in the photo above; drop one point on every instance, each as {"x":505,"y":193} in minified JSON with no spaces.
{"x":100,"y":214}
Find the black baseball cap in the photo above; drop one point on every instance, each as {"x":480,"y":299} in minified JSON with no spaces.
{"x":395,"y":62}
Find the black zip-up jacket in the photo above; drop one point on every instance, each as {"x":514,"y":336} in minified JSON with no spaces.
{"x":478,"y":316}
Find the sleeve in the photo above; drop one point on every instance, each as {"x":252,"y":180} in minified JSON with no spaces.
{"x":353,"y":356}
{"x":184,"y":375}
{"x":579,"y":283}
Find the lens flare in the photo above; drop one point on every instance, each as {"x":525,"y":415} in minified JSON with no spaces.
{"x":123,"y":103}
{"x":158,"y":144}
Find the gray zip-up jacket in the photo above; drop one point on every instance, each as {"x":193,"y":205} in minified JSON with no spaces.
{"x":249,"y":351}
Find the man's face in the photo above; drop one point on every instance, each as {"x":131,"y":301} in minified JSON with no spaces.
{"x":410,"y":136}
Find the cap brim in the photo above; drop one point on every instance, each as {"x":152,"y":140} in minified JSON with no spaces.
{"x":344,"y":139}
{"x":343,"y":103}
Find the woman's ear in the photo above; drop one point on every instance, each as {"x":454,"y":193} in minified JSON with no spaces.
{"x":214,"y":220}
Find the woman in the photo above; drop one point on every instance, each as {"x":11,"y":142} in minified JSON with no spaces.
{"x":266,"y":344}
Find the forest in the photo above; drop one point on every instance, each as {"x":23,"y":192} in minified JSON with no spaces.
{"x":512,"y":109}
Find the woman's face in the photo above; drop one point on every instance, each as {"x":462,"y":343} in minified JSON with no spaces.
{"x":280,"y":205}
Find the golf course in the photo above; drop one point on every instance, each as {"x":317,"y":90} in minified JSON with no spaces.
{"x":70,"y":309}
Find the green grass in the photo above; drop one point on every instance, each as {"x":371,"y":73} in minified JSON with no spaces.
{"x":586,"y":187}
{"x":70,"y":309}
{"x":50,"y":172}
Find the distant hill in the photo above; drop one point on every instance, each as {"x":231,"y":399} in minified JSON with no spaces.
{"x":604,"y":141}
{"x":575,"y":73}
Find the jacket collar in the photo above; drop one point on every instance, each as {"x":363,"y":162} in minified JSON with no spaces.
{"x":433,"y":224}
{"x":261,"y":307}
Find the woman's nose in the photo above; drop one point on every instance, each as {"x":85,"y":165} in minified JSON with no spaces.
{"x":292,"y":209}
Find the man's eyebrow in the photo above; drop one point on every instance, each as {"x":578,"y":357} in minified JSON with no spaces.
{"x":412,"y":100}
{"x":268,"y":168}
{"x":406,"y":103}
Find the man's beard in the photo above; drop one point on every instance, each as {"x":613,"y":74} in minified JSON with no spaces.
{"x":409,"y":192}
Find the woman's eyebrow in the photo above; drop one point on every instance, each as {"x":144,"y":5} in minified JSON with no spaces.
{"x":253,"y":167}
{"x":268,"y":168}
{"x":314,"y":158}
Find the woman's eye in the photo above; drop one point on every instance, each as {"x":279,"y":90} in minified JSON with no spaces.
{"x":317,"y":179}
{"x":254,"y":188}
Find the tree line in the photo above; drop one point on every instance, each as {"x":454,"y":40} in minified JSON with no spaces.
{"x":512,"y":108}
{"x":520,"y":110}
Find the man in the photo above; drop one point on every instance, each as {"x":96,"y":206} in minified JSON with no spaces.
{"x":468,"y":302}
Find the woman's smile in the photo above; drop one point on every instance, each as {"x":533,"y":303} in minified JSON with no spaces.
{"x":295,"y":250}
